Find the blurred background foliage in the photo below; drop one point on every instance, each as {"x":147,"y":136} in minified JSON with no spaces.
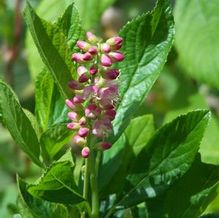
{"x":190,"y":79}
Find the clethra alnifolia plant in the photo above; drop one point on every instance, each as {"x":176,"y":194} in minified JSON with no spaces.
{"x":93,"y":106}
{"x":88,"y":96}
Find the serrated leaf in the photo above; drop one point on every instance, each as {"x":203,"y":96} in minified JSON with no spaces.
{"x":147,"y":42}
{"x":57,"y":185}
{"x":18,"y":124}
{"x":37,"y":208}
{"x":52,"y":46}
{"x":50,"y":107}
{"x":191,"y":194}
{"x":54,"y":140}
{"x":197,"y":39}
{"x":167,"y":157}
{"x":118,"y":160}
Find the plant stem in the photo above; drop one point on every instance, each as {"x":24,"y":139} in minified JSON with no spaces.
{"x":94,"y":188}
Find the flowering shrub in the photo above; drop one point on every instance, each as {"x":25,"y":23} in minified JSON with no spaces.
{"x":98,"y":156}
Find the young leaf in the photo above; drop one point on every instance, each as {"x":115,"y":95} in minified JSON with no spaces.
{"x":57,"y":185}
{"x":50,"y":107}
{"x":167,"y":157}
{"x":54,"y":139}
{"x":36,"y":207}
{"x":118,"y":160}
{"x":70,"y":23}
{"x":147,"y":42}
{"x":197,"y":37}
{"x":18,"y":124}
{"x":53,"y":48}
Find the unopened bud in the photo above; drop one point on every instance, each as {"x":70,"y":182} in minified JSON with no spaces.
{"x":110,"y":113}
{"x":115,"y":41}
{"x":75,"y":85}
{"x":72,"y":115}
{"x":69,"y":103}
{"x":111,"y":74}
{"x":82,"y":121}
{"x":84,"y":46}
{"x":91,"y":37}
{"x":78,"y":99}
{"x":116,"y":56}
{"x":83,"y":131}
{"x":93,"y":50}
{"x":92,"y":111}
{"x":105,"y":48}
{"x":105,"y":60}
{"x":93,"y":70}
{"x":78,"y":140}
{"x":85,"y":152}
{"x":84,"y":78}
{"x":78,"y":57}
{"x":87,"y":56}
{"x":73,"y":126}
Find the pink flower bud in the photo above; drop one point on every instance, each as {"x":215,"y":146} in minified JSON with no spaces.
{"x":85,"y":152}
{"x":69,"y":103}
{"x":84,"y":46}
{"x":75,"y":85}
{"x":93,"y":70}
{"x":84,"y":78}
{"x":72,"y":115}
{"x":87,"y":56}
{"x":111,"y":74}
{"x":116,"y":56}
{"x":92,"y":111}
{"x":74,"y":126}
{"x":110,"y":113}
{"x":78,"y":99}
{"x":78,"y":140}
{"x":116,"y":40}
{"x":78,"y":57}
{"x":83,"y":131}
{"x":105,"y":60}
{"x":81,"y":70}
{"x":82,"y":121}
{"x":93,"y":50}
{"x":106,"y":145}
{"x":91,"y":37}
{"x":105,"y":48}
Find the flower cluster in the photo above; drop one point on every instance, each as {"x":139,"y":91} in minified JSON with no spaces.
{"x":95,"y":91}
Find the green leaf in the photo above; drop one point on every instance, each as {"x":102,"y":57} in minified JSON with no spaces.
{"x":70,"y":23}
{"x":91,"y":11}
{"x":167,"y":157}
{"x":197,"y":39}
{"x":118,"y":160}
{"x":50,"y":107}
{"x":191,"y":194}
{"x":52,"y":46}
{"x":18,"y":124}
{"x":57,"y":185}
{"x":147,"y":42}
{"x":54,"y":140}
{"x":38,"y":208}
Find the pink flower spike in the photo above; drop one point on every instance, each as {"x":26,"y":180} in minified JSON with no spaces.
{"x":78,"y":57}
{"x":84,"y":46}
{"x":70,"y":104}
{"x":75,"y":85}
{"x":83,"y":132}
{"x":116,"y":56}
{"x":72,"y":115}
{"x":85,"y":152}
{"x":93,"y":70}
{"x":78,"y":140}
{"x":87,"y":56}
{"x":111,"y":74}
{"x":78,"y":99}
{"x":93,"y":50}
{"x":105,"y":48}
{"x":106,"y":145}
{"x":105,"y":60}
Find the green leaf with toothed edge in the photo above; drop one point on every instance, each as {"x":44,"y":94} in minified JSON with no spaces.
{"x":52,"y":46}
{"x":167,"y":157}
{"x":147,"y":42}
{"x":18,"y":124}
{"x":57,"y":185}
{"x":30,"y":206}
